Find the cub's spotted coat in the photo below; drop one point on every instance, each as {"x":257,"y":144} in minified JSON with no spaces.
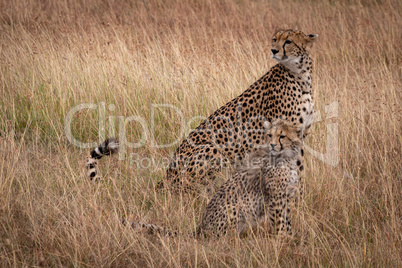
{"x":262,"y":188}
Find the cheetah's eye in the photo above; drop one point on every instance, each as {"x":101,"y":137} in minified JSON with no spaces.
{"x":287,"y":42}
{"x":274,"y":39}
{"x":282,"y":136}
{"x":269,"y":135}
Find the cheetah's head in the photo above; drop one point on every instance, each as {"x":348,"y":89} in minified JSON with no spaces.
{"x":283,"y":137}
{"x":289,"y":46}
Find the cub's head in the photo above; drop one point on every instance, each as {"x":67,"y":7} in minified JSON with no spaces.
{"x":282,"y":137}
{"x":290,"y":45}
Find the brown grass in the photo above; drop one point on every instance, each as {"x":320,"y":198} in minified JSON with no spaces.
{"x":195,"y":55}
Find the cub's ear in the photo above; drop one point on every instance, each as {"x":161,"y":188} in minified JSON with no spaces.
{"x":300,"y":131}
{"x":276,"y":121}
{"x":311,"y":38}
{"x":267,"y":125}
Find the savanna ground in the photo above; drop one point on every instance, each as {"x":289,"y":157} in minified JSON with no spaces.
{"x":195,"y":56}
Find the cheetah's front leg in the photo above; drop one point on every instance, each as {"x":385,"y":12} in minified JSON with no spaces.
{"x":280,"y":215}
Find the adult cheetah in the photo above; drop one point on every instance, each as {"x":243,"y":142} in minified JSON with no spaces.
{"x":262,"y":188}
{"x":234,"y":130}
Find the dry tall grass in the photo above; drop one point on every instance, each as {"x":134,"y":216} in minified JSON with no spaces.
{"x":195,"y":55}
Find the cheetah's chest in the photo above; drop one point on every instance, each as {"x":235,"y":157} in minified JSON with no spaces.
{"x":289,"y":99}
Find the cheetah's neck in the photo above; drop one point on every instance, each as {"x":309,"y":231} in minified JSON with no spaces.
{"x":300,"y":68}
{"x":267,"y":159}
{"x":285,"y":158}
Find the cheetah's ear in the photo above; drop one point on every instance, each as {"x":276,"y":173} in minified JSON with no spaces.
{"x":311,"y":38}
{"x":276,"y":121}
{"x":267,"y":125}
{"x":300,"y":131}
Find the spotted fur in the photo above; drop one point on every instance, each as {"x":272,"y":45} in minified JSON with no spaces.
{"x":262,"y":188}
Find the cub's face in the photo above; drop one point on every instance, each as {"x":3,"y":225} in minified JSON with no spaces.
{"x":282,"y":136}
{"x":289,"y":45}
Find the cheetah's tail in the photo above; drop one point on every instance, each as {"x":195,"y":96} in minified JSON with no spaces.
{"x":151,"y":228}
{"x":108,"y":147}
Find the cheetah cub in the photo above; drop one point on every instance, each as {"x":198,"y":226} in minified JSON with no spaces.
{"x":261,"y":188}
